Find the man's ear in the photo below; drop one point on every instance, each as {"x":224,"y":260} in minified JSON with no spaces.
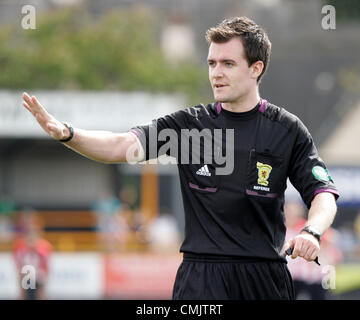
{"x":256,"y":69}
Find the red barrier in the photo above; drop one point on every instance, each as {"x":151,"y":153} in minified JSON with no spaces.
{"x":140,"y":276}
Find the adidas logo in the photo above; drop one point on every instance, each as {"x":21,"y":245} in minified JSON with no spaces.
{"x":204,"y":171}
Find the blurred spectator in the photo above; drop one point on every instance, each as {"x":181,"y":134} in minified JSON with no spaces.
{"x":357,"y":231}
{"x":348,"y":242}
{"x":163,"y":234}
{"x":308,"y":276}
{"x":32,"y":250}
{"x":7,"y":209}
{"x":111,"y":223}
{"x":129,"y":196}
{"x":134,"y":217}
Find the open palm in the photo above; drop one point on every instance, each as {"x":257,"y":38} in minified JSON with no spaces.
{"x":51,"y":126}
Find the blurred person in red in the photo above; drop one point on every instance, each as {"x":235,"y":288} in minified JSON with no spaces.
{"x":308,"y":278}
{"x":30,"y":249}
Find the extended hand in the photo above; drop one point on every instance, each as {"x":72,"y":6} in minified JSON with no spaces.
{"x":305,"y":245}
{"x":51,"y":126}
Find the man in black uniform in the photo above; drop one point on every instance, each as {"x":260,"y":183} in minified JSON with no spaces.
{"x":234,"y":220}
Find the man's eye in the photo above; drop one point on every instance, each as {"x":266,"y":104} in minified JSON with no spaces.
{"x":229,"y":64}
{"x":211,"y":63}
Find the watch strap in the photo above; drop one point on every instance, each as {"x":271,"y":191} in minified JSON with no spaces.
{"x":312,"y":232}
{"x":71,"y":130}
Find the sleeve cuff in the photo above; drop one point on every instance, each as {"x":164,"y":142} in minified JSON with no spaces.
{"x":333,"y":191}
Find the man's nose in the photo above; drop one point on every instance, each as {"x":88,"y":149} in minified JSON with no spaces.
{"x":217,"y":72}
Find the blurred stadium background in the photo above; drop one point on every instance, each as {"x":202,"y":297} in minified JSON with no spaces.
{"x":115,"y":230}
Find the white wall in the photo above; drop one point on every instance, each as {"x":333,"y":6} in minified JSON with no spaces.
{"x":105,"y":110}
{"x":72,"y":276}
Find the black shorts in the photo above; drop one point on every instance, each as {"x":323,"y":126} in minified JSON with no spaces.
{"x":207,"y":277}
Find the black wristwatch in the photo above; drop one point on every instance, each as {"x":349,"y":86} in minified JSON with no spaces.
{"x":71,"y":130}
{"x":312,"y":232}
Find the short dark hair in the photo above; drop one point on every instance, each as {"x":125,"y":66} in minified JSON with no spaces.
{"x":255,"y":41}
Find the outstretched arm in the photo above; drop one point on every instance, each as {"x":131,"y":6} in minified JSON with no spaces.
{"x":102,"y":146}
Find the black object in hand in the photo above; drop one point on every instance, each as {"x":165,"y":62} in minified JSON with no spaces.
{"x":290,"y":251}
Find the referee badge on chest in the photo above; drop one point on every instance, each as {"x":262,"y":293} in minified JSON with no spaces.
{"x":266,"y":176}
{"x":263,"y":173}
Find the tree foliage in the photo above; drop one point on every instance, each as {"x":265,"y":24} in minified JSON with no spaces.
{"x":70,"y":49}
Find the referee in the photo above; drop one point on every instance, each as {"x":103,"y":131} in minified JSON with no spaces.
{"x":234,"y":222}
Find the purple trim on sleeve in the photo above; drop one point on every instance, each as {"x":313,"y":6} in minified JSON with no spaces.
{"x":137,"y":133}
{"x":327,"y":190}
{"x":267,"y":195}
{"x":218,"y":108}
{"x":208,"y":189}
{"x":263,"y":105}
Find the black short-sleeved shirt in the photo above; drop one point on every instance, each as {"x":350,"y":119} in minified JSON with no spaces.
{"x":239,"y":213}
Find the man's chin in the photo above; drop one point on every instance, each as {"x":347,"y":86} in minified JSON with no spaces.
{"x":221,"y":99}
